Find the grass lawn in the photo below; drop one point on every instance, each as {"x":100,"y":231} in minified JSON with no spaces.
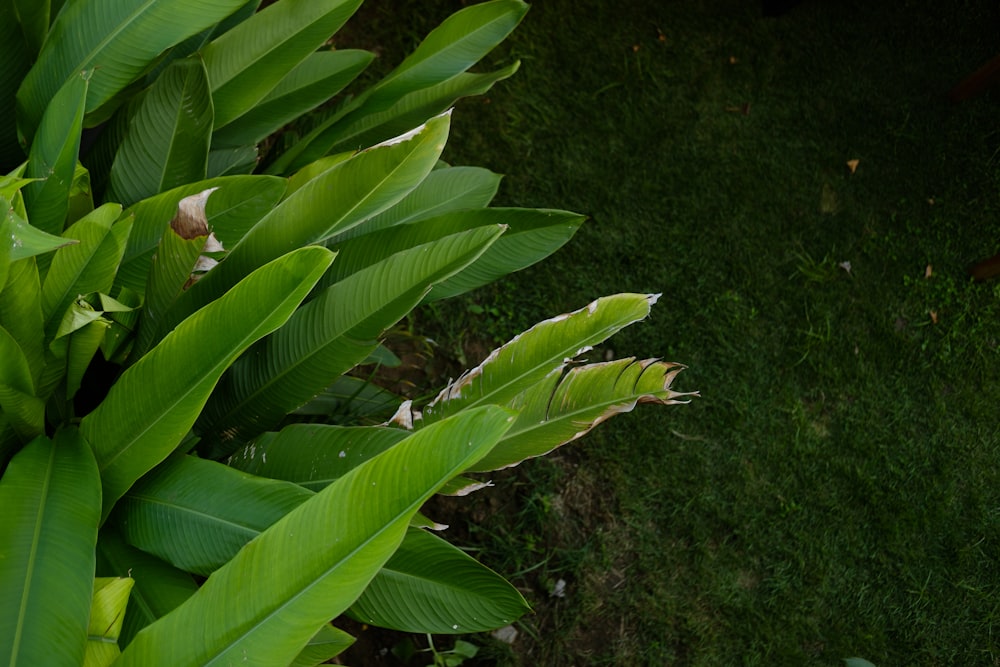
{"x":835,"y":490}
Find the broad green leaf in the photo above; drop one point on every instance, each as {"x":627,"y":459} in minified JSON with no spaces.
{"x":542,"y":349}
{"x":16,"y":58}
{"x":107,"y":612}
{"x":153,"y":404}
{"x":346,"y":195}
{"x":238,"y":161}
{"x":51,"y":495}
{"x":118,"y":41}
{"x":312,"y":564}
{"x":158,"y":586}
{"x":33,"y":15}
{"x":449,"y":50}
{"x":88,"y":266}
{"x":83,"y":345}
{"x":565,"y":406}
{"x":196,"y":514}
{"x":350,"y":398}
{"x":25,"y":411}
{"x":531,"y":235}
{"x":28,"y":241}
{"x":325,"y":338}
{"x":174,"y":265}
{"x":453,"y":47}
{"x":430,"y":586}
{"x":327,"y":643}
{"x":313,"y":81}
{"x":167,"y":142}
{"x":81,"y":195}
{"x":443,"y":191}
{"x":314,"y":455}
{"x":367,"y":127}
{"x":236,"y":204}
{"x":245,"y":63}
{"x":54,"y":152}
{"x":21,"y":313}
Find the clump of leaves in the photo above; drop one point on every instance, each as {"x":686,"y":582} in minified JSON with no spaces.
{"x":175,"y":326}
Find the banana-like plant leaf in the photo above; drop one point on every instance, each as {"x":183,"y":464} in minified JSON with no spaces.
{"x":81,"y":195}
{"x":154,"y":403}
{"x":51,"y":495}
{"x":83,"y":345}
{"x":236,"y":204}
{"x":314,"y":455}
{"x":245,"y":63}
{"x":430,"y":586}
{"x":286,"y":584}
{"x":25,"y":411}
{"x":158,"y":586}
{"x":174,"y":264}
{"x":28,"y":241}
{"x":327,"y":337}
{"x":449,"y":50}
{"x":107,"y":612}
{"x":365,"y":129}
{"x":196,"y":514}
{"x":315,"y":80}
{"x":118,"y":41}
{"x":327,"y":643}
{"x":169,"y":133}
{"x":33,"y":15}
{"x":238,"y":161}
{"x":565,"y":406}
{"x":88,"y":266}
{"x":444,"y":190}
{"x":16,"y":58}
{"x":532,"y":235}
{"x":21,"y":313}
{"x":347,"y":194}
{"x":542,"y":349}
{"x":53,"y":156}
{"x":351,"y":398}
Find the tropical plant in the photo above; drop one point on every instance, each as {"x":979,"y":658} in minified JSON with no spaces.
{"x":172,"y":323}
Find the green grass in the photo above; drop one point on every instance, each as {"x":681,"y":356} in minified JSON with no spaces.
{"x":835,"y":490}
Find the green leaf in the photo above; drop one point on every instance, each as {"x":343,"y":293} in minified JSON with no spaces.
{"x":154,"y":403}
{"x":16,"y":58}
{"x":343,"y":196}
{"x":542,"y":349}
{"x":51,"y":497}
{"x":449,"y":50}
{"x":430,"y":586}
{"x":167,"y":142}
{"x":327,"y":337}
{"x":25,"y":412}
{"x":565,"y":406}
{"x":443,"y":191}
{"x":350,"y":398}
{"x":236,"y":204}
{"x":117,"y":41}
{"x":83,"y":345}
{"x":53,"y":156}
{"x":107,"y":612}
{"x":313,"y":575}
{"x":313,"y":81}
{"x":241,"y":160}
{"x":314,"y":455}
{"x":327,"y":643}
{"x":21,"y":313}
{"x":88,"y":266}
{"x":158,"y":587}
{"x":28,"y":241}
{"x":33,"y":15}
{"x":245,"y":63}
{"x":531,"y":235}
{"x":365,"y":128}
{"x":174,"y":265}
{"x":196,"y":514}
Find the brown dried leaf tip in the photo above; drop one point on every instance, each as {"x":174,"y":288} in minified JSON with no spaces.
{"x":191,"y":223}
